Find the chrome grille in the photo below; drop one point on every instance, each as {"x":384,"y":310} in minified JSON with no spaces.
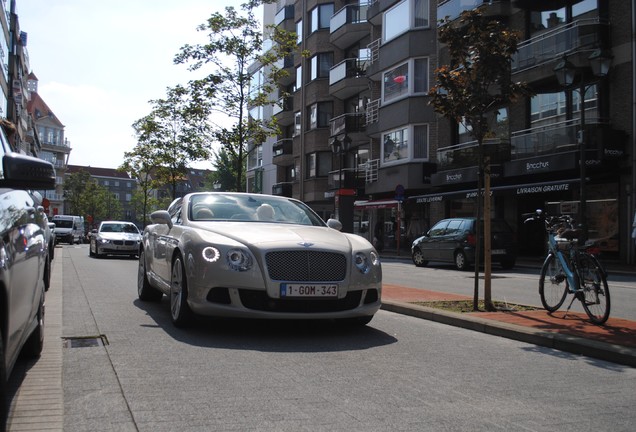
{"x":306,"y":266}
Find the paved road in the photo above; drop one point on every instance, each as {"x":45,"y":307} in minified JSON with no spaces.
{"x":399,"y":373}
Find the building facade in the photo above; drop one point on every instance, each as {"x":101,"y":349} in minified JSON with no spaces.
{"x":361,"y":141}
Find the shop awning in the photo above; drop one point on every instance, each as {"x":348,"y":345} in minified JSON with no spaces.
{"x":517,"y":189}
{"x":375,"y":204}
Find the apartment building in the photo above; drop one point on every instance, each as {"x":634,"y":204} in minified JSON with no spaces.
{"x":360,"y":140}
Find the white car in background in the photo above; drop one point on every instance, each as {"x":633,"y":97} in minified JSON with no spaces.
{"x":256,"y":256}
{"x":115,"y":238}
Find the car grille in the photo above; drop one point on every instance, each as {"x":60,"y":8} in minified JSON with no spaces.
{"x":306,"y":266}
{"x":124,"y":242}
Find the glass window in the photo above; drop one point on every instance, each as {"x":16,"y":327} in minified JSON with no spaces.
{"x":420,"y":142}
{"x":318,"y":164}
{"x":299,"y":32}
{"x":320,"y":114}
{"x":420,"y":13}
{"x":420,"y":74}
{"x":299,"y":78}
{"x":584,"y":7}
{"x":320,"y":17}
{"x":297,"y":125}
{"x":395,"y":145}
{"x":396,"y":20}
{"x":453,"y":227}
{"x":395,"y":82}
{"x":438,"y":229}
{"x":320,"y":65}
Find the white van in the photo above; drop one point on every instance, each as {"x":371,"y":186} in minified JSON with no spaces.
{"x":68,"y":229}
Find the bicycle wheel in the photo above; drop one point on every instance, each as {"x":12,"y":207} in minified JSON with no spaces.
{"x":553,"y":285}
{"x":595,"y":292}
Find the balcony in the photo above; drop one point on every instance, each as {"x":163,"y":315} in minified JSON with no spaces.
{"x":351,"y":179}
{"x":284,"y":18}
{"x":283,"y":189}
{"x":283,"y":111}
{"x":549,"y":46}
{"x":347,"y":78}
{"x":349,"y":25}
{"x":466,"y":155}
{"x":454,"y":8}
{"x":557,"y":138}
{"x":348,"y":124}
{"x":287,"y":64}
{"x":282,"y":152}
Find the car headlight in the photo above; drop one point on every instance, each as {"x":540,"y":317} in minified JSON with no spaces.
{"x":363,"y":262}
{"x":104,"y":241}
{"x":211,"y":254}
{"x":239,"y":260}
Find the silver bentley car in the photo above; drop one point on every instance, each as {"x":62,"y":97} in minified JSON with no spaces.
{"x":256,"y":256}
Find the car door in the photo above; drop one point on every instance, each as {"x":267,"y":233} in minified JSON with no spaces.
{"x":448,"y":242}
{"x":430,"y":244}
{"x":23,"y":250}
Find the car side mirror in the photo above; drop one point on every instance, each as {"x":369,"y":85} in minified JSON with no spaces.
{"x":334,"y":224}
{"x":26,"y":172}
{"x":161,"y":217}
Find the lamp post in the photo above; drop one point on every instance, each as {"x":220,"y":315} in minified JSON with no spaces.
{"x":600,"y":62}
{"x":339,"y":148}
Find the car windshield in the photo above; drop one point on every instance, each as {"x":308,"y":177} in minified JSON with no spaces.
{"x":119,"y":228}
{"x":250,"y":208}
{"x":63,"y":223}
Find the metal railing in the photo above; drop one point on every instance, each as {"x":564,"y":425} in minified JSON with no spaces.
{"x":373,"y":109}
{"x":348,"y":68}
{"x":347,"y":123}
{"x":350,"y":14}
{"x":466,"y":155}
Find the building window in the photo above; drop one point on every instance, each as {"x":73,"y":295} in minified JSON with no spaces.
{"x":320,"y":17}
{"x":128,"y":197}
{"x":319,"y":115}
{"x":404,"y":16}
{"x":397,"y":82}
{"x":299,"y":78}
{"x":396,"y":145}
{"x":297,"y":125}
{"x":320,"y":65}
{"x":318,"y":164}
{"x":116,"y":183}
{"x":299,"y":32}
{"x":255,"y":158}
{"x":106,"y":183}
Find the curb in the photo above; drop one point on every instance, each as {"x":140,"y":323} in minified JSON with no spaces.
{"x":572,"y":344}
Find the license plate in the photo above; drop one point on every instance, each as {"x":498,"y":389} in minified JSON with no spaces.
{"x":498,"y":252}
{"x":308,"y":290}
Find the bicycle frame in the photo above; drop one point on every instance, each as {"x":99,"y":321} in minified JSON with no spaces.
{"x":573,"y":283}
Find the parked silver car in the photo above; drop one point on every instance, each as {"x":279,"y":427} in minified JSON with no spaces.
{"x":115,"y":238}
{"x":256,"y":256}
{"x":24,"y":257}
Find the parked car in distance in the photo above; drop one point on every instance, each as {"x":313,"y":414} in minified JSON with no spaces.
{"x":256,"y":256}
{"x":454,"y":240}
{"x":115,"y":238}
{"x":24,"y":254}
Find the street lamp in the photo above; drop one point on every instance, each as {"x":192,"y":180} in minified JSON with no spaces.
{"x":340,"y":148}
{"x":565,"y":72}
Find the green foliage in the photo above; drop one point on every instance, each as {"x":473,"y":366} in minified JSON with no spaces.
{"x":235,"y":42}
{"x":225,"y":172}
{"x":88,"y":199}
{"x":477,"y":80}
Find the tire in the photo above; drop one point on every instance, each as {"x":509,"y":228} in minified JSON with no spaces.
{"x":35,"y":343}
{"x":180,"y":312}
{"x":47,"y":273}
{"x":461,"y":262}
{"x":596,"y":295}
{"x":418,"y":258}
{"x":144,"y":290}
{"x":553,"y":285}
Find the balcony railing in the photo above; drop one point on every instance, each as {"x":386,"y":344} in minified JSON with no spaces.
{"x":350,"y":14}
{"x":466,"y":155}
{"x":349,"y":178}
{"x":371,"y":169}
{"x":374,"y":50}
{"x":555,"y":43}
{"x":284,"y":146}
{"x":282,"y":189}
{"x":347,"y":123}
{"x":348,"y":68}
{"x":286,"y":12}
{"x":549,"y":139}
{"x":373,"y":108}
{"x":283,"y":104}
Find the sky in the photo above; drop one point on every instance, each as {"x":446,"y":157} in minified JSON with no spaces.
{"x":99,"y":63}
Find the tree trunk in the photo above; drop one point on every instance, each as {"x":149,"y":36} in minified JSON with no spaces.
{"x":487,"y":239}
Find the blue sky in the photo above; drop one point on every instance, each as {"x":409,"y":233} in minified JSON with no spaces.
{"x":99,"y":63}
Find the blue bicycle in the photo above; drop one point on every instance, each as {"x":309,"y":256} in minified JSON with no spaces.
{"x":570,"y":268}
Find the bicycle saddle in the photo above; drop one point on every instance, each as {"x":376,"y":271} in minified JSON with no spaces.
{"x":569,"y":233}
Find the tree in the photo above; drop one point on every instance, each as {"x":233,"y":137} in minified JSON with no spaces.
{"x":139,"y":167}
{"x":74,"y":188}
{"x":469,"y":90}
{"x":235,"y":43}
{"x":173,"y":135}
{"x":87,"y":198}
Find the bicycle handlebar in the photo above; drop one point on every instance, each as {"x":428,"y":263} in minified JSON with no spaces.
{"x":551,"y":222}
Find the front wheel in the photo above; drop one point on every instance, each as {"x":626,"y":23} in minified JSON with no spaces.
{"x":596,"y":296}
{"x":418,"y":258}
{"x":180,"y":312}
{"x":553,"y":285}
{"x":461,"y":262}
{"x":145,"y":291}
